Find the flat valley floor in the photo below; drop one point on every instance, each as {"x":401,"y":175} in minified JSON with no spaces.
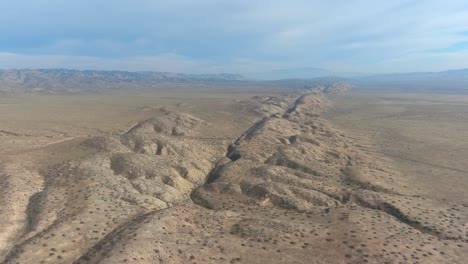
{"x":425,"y":135}
{"x":189,"y":175}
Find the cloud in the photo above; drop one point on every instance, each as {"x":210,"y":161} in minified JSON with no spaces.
{"x":229,"y":35}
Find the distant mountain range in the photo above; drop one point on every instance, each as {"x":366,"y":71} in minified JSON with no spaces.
{"x":450,"y":74}
{"x":293,"y":73}
{"x":72,"y":81}
{"x":453,"y":81}
{"x":53,"y":80}
{"x":310,"y":72}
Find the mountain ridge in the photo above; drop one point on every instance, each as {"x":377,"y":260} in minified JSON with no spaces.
{"x":50,"y":81}
{"x":53,"y":80}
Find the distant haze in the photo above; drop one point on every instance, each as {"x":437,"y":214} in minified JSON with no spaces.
{"x":74,"y":81}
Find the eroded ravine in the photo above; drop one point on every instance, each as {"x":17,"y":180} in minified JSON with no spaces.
{"x":290,"y":188}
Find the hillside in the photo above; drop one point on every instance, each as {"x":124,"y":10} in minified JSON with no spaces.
{"x":264,"y":179}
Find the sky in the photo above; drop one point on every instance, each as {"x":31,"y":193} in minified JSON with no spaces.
{"x":236,"y":36}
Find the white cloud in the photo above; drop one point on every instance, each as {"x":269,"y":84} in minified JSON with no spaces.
{"x":239,"y":36}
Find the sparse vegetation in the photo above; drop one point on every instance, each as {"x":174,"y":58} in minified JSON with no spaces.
{"x":266,"y":178}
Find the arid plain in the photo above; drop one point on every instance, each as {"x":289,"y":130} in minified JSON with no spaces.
{"x":322,"y":174}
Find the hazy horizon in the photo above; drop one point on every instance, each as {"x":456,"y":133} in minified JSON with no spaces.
{"x":275,"y":74}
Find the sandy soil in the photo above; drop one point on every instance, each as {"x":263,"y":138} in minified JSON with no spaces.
{"x":305,"y":176}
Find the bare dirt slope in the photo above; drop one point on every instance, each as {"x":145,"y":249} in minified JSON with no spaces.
{"x":279,"y":185}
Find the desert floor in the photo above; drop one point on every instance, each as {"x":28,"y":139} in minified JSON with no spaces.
{"x":187,"y":175}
